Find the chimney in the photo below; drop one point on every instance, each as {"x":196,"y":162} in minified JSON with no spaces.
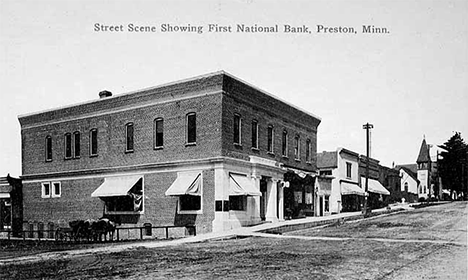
{"x":104,"y":94}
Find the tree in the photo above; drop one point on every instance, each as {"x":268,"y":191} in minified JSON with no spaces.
{"x":454,"y":165}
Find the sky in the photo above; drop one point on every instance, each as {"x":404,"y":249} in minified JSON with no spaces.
{"x":410,"y":83}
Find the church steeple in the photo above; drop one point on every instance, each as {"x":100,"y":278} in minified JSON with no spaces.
{"x":423,"y":157}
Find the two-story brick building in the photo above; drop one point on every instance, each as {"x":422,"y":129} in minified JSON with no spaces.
{"x":210,"y":151}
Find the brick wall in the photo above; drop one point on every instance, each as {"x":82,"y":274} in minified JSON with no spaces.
{"x":76,"y":203}
{"x":251,"y":104}
{"x":111,"y":137}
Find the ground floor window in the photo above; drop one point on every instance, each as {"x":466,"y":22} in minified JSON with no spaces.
{"x":132,"y":202}
{"x":190,"y":203}
{"x":238,"y":202}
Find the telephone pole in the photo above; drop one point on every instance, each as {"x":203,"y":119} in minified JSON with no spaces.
{"x":367,"y":127}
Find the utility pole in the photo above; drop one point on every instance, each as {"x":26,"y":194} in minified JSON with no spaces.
{"x":367,"y":127}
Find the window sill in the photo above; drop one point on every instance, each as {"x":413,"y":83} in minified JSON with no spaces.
{"x":271,"y":153}
{"x":124,"y":212}
{"x":285,"y":157}
{"x":190,"y":144}
{"x":255,"y":149}
{"x":237,"y":144}
{"x":182,"y":212}
{"x":129,"y":151}
{"x":67,"y":158}
{"x":91,"y":156}
{"x":78,"y":157}
{"x":158,"y":148}
{"x":48,"y":160}
{"x":297,"y":160}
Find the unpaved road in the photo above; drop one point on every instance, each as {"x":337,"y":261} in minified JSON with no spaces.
{"x":426,"y":243}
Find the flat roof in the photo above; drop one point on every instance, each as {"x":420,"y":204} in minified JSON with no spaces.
{"x":221,"y":72}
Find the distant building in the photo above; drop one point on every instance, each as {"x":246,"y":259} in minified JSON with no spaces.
{"x":424,"y":171}
{"x":211,"y":151}
{"x":11,"y":204}
{"x":346,"y":170}
{"x":409,"y":184}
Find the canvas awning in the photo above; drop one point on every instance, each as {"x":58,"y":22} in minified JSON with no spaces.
{"x":348,"y":188}
{"x":241,"y":185}
{"x":186,"y":184}
{"x":116,"y":186}
{"x":374,"y":186}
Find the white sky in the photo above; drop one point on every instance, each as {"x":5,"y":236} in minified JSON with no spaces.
{"x":409,"y":83}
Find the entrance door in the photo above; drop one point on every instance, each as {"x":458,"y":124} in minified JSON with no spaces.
{"x":321,"y":206}
{"x":263,"y":199}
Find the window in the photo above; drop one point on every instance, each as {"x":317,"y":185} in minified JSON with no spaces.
{"x":348,"y":169}
{"x":132,"y":203}
{"x":56,"y":189}
{"x":254,"y":134}
{"x":191,"y":128}
{"x":49,"y":189}
{"x":425,"y":189}
{"x":297,"y":147}
{"x":406,"y":186}
{"x":48,"y":148}
{"x":308,"y":150}
{"x":189,"y":203}
{"x":270,"y":139}
{"x":284,"y":146}
{"x":93,"y":142}
{"x":327,"y":204}
{"x":45,"y":190}
{"x":158,"y":133}
{"x":77,"y":141}
{"x":129,"y":137}
{"x":420,"y":189}
{"x":68,"y":146}
{"x":237,"y":202}
{"x":237,"y":129}
{"x":325,"y":172}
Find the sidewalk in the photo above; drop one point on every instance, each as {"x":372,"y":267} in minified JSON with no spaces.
{"x":259,"y":230}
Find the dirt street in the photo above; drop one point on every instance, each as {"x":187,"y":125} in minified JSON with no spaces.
{"x":425,"y":243}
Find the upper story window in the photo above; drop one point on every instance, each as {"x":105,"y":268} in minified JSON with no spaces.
{"x":348,"y":169}
{"x":77,"y":143}
{"x":48,"y":148}
{"x":237,"y":129}
{"x":270,"y":139}
{"x":93,"y":142}
{"x":191,"y":128}
{"x":308,"y":150}
{"x":68,"y":145}
{"x":406,"y":186}
{"x":284,"y":144}
{"x":158,"y":133}
{"x":129,"y":137}
{"x":325,"y":172}
{"x":254,"y":134}
{"x":297,"y":147}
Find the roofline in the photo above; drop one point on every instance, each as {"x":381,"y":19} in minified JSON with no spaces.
{"x":122,"y":94}
{"x":211,"y":74}
{"x":341,"y":149}
{"x":271,"y":95}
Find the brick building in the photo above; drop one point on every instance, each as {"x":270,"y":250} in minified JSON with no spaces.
{"x":210,"y":151}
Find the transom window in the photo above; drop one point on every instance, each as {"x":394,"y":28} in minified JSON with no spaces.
{"x":190,"y":203}
{"x":158,"y":133}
